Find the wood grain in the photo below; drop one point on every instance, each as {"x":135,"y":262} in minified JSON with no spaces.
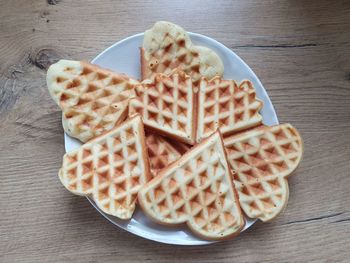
{"x":299,"y":49}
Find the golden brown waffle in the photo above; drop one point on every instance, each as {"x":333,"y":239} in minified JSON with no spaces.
{"x":166,"y":105}
{"x":111,"y":168}
{"x":262,"y":159}
{"x":197,"y":189}
{"x":160,"y":152}
{"x":167,"y":46}
{"x":226,"y":106}
{"x":93,"y":100}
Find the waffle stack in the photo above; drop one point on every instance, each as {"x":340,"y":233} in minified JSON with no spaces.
{"x":205,"y":159}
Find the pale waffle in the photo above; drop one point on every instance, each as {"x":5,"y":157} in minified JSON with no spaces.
{"x":197,"y":190}
{"x":93,"y":100}
{"x":166,"y":105}
{"x":225,"y":105}
{"x":167,"y":46}
{"x":160,"y":152}
{"x":262,"y":159}
{"x":110,"y":168}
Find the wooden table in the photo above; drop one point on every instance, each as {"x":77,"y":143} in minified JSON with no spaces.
{"x":299,"y":49}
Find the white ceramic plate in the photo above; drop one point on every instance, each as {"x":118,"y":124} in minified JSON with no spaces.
{"x":124,"y":57}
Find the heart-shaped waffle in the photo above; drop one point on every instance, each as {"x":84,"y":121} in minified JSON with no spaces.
{"x":197,"y":190}
{"x":110,"y":168}
{"x":166,"y":105}
{"x":262,"y":159}
{"x":167,"y":46}
{"x":225,"y":105}
{"x":170,"y":106}
{"x":93,"y":100}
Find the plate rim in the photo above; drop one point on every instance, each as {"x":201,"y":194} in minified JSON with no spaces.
{"x":265,"y":94}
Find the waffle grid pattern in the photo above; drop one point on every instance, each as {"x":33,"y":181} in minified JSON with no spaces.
{"x":262,"y":158}
{"x":160,"y":152}
{"x":93,"y":100}
{"x":168,"y":46}
{"x":197,"y":190}
{"x":166,"y":105}
{"x":225,"y":105}
{"x":111,"y":168}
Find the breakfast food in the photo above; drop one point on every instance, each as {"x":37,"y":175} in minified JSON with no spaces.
{"x":262,"y":159}
{"x":169,"y":106}
{"x":197,"y":190}
{"x":110,"y":168}
{"x":167,"y":46}
{"x":205,"y":158}
{"x":225,"y":105}
{"x":166,"y":105}
{"x":160,"y":152}
{"x":93,"y":100}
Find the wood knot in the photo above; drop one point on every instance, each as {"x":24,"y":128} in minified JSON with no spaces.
{"x":53,"y":2}
{"x":44,"y":57}
{"x":44,"y":13}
